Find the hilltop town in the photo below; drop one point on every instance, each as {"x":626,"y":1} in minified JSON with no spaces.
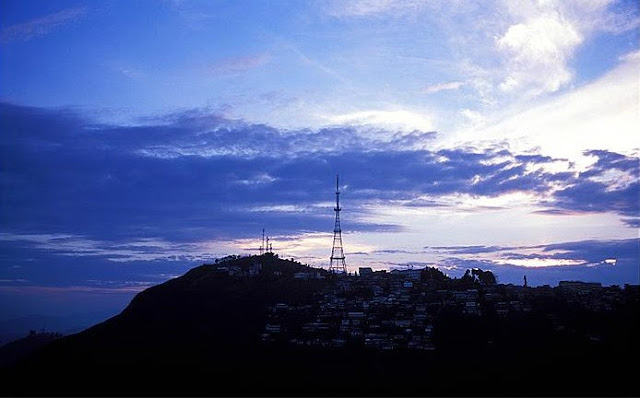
{"x":406,"y":309}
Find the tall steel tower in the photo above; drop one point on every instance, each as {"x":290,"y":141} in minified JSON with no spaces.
{"x":337,"y":263}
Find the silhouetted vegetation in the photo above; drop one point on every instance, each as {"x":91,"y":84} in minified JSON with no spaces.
{"x":11,"y":353}
{"x":433,"y":274}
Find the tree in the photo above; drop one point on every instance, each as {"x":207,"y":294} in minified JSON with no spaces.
{"x":432,"y":273}
{"x":483,"y":277}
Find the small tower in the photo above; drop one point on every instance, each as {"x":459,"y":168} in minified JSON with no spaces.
{"x":337,"y":263}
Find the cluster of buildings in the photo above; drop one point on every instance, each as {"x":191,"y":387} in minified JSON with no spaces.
{"x":398,"y":309}
{"x":250,"y":270}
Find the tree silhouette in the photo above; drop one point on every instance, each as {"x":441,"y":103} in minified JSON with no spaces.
{"x":483,"y":277}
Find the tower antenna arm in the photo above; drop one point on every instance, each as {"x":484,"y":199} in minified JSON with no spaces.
{"x":337,"y":193}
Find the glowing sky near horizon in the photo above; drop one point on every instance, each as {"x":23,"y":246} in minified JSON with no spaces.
{"x":141,"y":139}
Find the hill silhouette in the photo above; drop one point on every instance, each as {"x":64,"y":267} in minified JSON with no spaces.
{"x":171,"y":336}
{"x":18,"y":349}
{"x":199,"y":334}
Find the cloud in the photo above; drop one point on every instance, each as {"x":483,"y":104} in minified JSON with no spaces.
{"x":606,"y":261}
{"x":554,"y":254}
{"x":369,"y":8}
{"x":189,"y":186}
{"x":200,"y":143}
{"x":236,"y":65}
{"x":599,"y":115}
{"x":543,"y":37}
{"x":467,"y":249}
{"x":611,"y":184}
{"x":632,"y":222}
{"x":39,"y":290}
{"x":538,"y":51}
{"x":475,"y":117}
{"x":146,"y":249}
{"x":442,"y":87}
{"x":128,"y":71}
{"x":41,"y":26}
{"x":390,"y":120}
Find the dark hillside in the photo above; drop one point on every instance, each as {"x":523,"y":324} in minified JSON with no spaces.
{"x":202,"y":334}
{"x":199,"y":324}
{"x":15,"y":351}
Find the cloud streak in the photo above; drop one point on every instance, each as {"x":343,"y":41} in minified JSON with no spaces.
{"x":436,"y":88}
{"x":41,"y":26}
{"x":237,"y":65}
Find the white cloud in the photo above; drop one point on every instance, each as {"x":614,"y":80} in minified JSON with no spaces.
{"x":543,"y":36}
{"x":475,"y":118}
{"x":260,"y":179}
{"x":442,"y":87}
{"x":537,"y":262}
{"x":403,"y":120}
{"x":602,"y":115}
{"x":361,"y":8}
{"x":538,"y":51}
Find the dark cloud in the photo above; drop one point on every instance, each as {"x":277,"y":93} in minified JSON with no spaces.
{"x":592,"y":196}
{"x":467,"y":249}
{"x":611,"y":161}
{"x":192,"y":176}
{"x":590,"y":191}
{"x":394,"y":251}
{"x":589,"y":250}
{"x":632,"y":222}
{"x":598,"y":250}
{"x":590,"y":256}
{"x":194,"y":171}
{"x":623,"y":272}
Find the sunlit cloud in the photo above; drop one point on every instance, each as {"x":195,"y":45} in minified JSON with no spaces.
{"x":403,"y":120}
{"x":602,"y":114}
{"x":538,"y":51}
{"x":539,"y":262}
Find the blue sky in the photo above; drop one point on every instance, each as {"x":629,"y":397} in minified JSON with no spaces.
{"x":141,"y":139}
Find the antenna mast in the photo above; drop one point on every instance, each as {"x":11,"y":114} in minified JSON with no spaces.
{"x":337,"y":263}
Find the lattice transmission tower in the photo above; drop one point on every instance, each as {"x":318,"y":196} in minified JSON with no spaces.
{"x":337,"y":263}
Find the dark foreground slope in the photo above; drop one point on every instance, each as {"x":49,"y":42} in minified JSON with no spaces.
{"x":200,"y":335}
{"x":193,"y":334}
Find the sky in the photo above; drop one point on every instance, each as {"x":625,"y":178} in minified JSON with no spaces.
{"x":141,"y":139}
